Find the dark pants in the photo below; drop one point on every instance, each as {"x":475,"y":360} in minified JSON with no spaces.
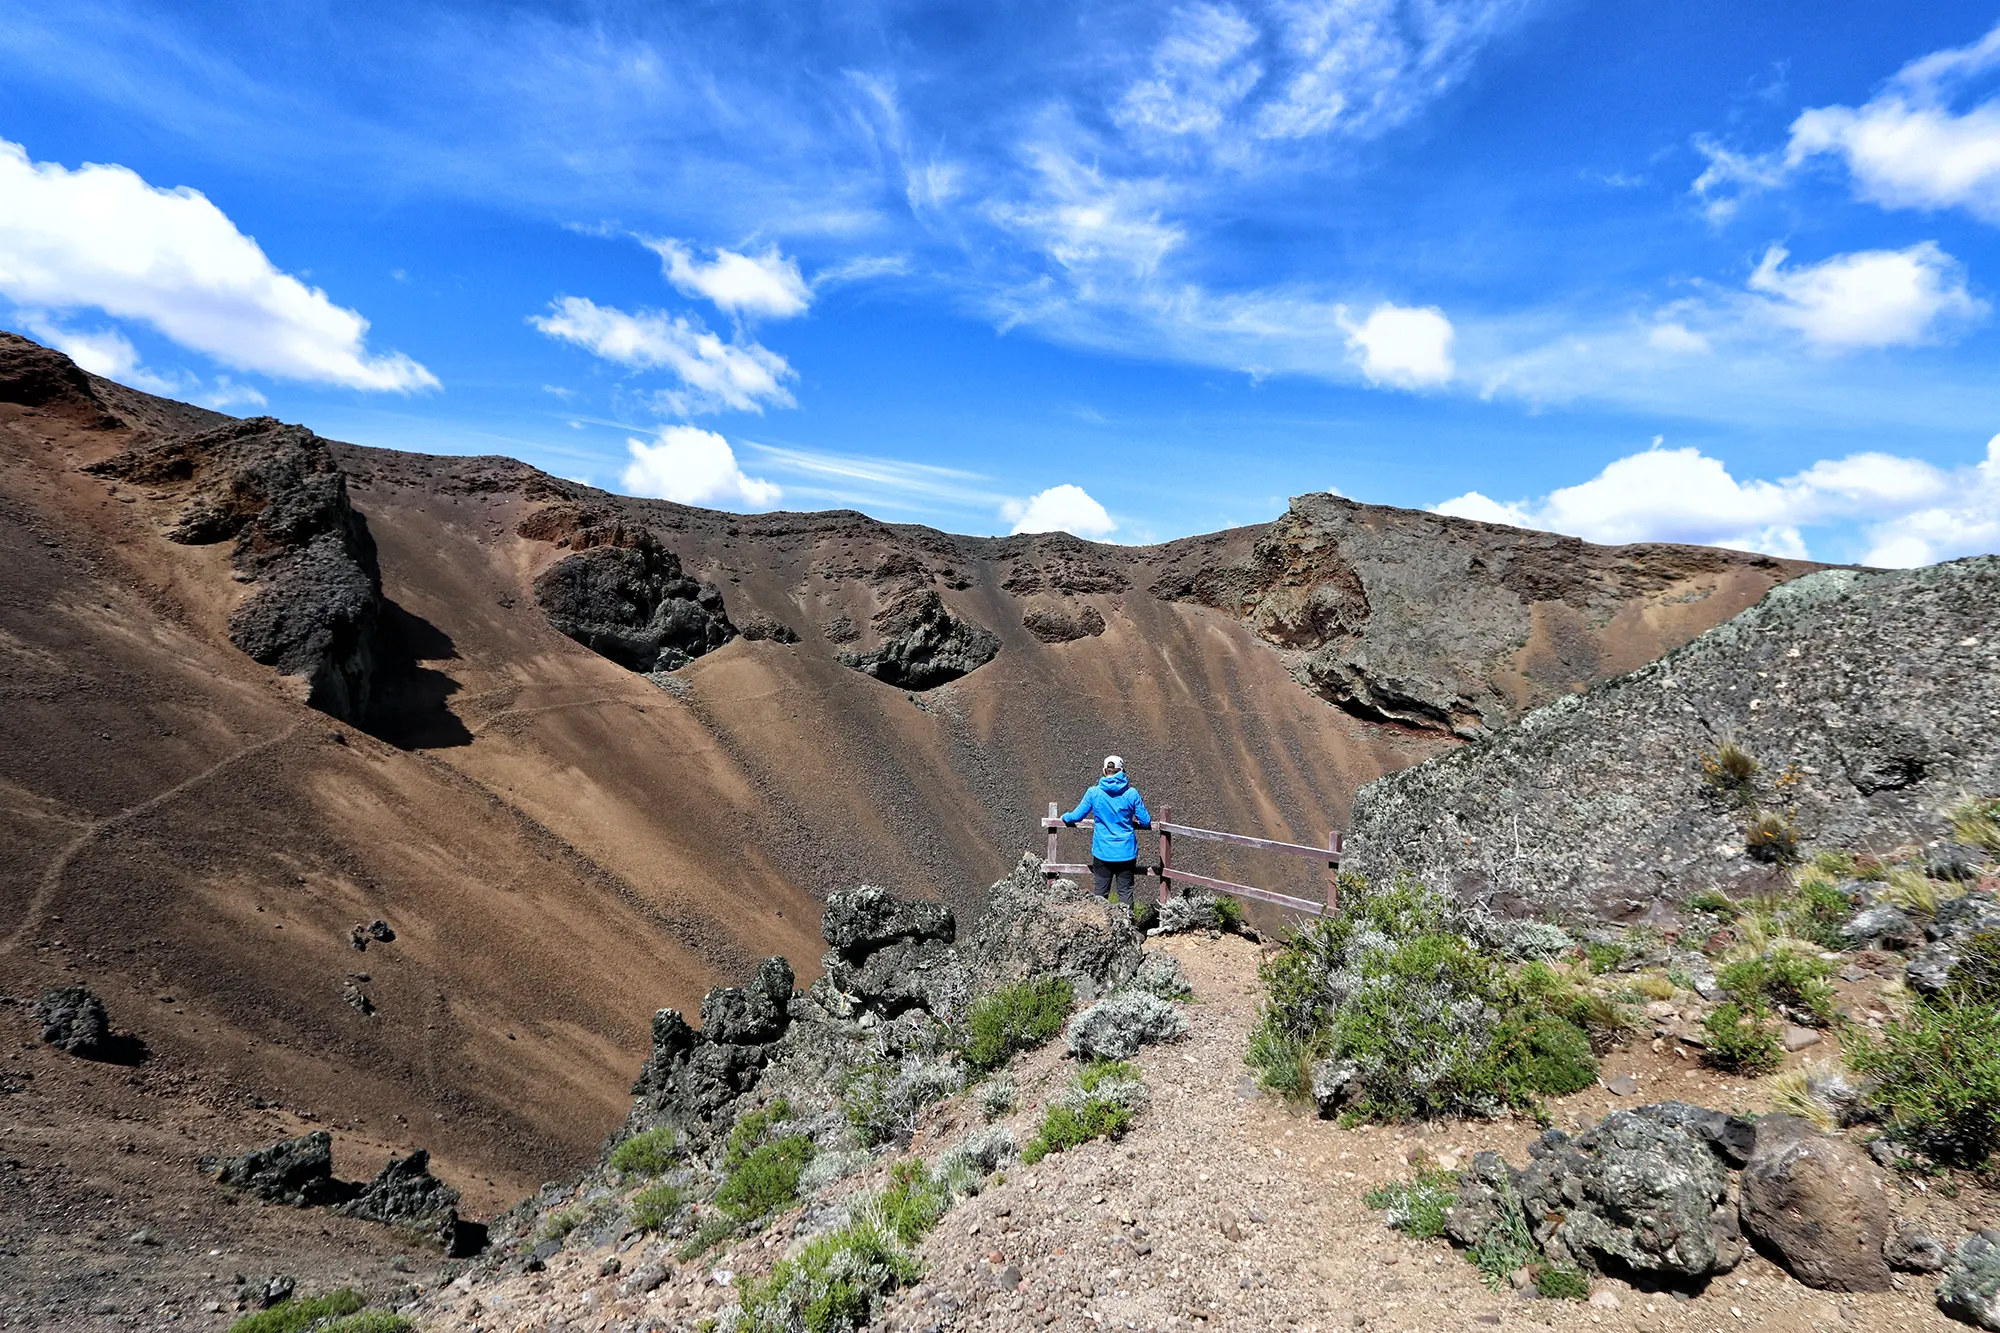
{"x":1113,"y":878}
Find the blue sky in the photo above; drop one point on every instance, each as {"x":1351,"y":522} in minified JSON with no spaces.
{"x":1705,"y":272}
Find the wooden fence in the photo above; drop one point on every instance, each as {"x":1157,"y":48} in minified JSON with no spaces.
{"x":1169,"y":874}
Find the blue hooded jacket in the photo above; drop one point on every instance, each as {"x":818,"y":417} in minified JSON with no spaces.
{"x":1116,"y":806}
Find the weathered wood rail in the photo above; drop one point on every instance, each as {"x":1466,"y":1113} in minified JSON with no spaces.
{"x":1169,"y":874}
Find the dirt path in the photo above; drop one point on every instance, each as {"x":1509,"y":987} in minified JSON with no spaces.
{"x":1221,"y":1210}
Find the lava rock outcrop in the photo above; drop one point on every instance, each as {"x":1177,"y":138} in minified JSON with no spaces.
{"x":1866,"y":701}
{"x":629,"y":600}
{"x":923,"y":644}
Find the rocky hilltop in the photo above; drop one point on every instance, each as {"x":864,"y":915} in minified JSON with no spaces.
{"x":1846,"y":709}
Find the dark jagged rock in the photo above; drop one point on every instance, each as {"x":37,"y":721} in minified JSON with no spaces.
{"x":692,"y":1079}
{"x":1970,"y":1288}
{"x":1819,"y":1205}
{"x":74,"y":1021}
{"x":751,"y":1015}
{"x":758,"y":627}
{"x":43,"y":378}
{"x":277,"y":493}
{"x":629,"y":601}
{"x":923,"y":644}
{"x":860,"y":921}
{"x":1063,"y":624}
{"x":891,"y":954}
{"x":295,"y":1171}
{"x":1866,"y":699}
{"x":404,"y":1193}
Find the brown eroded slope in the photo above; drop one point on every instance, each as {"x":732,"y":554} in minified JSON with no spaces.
{"x":562,"y":845}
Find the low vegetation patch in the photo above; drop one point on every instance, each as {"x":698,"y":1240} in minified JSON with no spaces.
{"x":1797,"y":982}
{"x":1741,"y":1039}
{"x":1975,"y":821}
{"x":1417,"y":1208}
{"x":1016,"y":1018}
{"x":1772,"y":837}
{"x":1936,"y":1074}
{"x":761,"y":1167}
{"x":1394,"y":1001}
{"x":1100,"y":1104}
{"x":1731,"y":771}
{"x":883,"y":1103}
{"x":650,"y":1153}
{"x":336,"y":1312}
{"x":656,"y":1206}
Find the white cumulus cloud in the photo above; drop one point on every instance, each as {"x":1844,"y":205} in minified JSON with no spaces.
{"x":1868,"y":298}
{"x":101,"y":238}
{"x":1911,"y":512}
{"x":760,"y":286}
{"x":715,"y":374}
{"x":1408,"y":347}
{"x":1065,"y":508}
{"x":693,"y":466}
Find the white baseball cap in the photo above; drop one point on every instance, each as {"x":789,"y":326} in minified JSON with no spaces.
{"x":1113,"y":764}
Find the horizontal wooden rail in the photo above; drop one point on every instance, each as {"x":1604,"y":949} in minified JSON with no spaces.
{"x":1170,"y":875}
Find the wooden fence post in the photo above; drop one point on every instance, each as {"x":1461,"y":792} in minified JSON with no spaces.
{"x":1166,"y":853}
{"x":1055,"y":814}
{"x":1333,"y":873}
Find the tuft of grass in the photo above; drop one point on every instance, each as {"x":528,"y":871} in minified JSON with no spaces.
{"x":1772,"y":838}
{"x":1708,"y":900}
{"x":1507,"y":1246}
{"x":706,"y":1237}
{"x":301,"y":1313}
{"x":1016,"y":1018}
{"x":1228,"y":914}
{"x":558,"y":1225}
{"x":1417,"y":1207}
{"x":1793,"y":1093}
{"x":649,"y":1153}
{"x":1936,"y":1073}
{"x":1284,"y":1063}
{"x":1145,"y":913}
{"x":1730,"y":770}
{"x":657,"y":1205}
{"x":1604,"y":957}
{"x":1975,"y":821}
{"x":1558,"y":1282}
{"x":1741,"y":1040}
{"x":1655,"y":985}
{"x":1912,"y":890}
{"x":1797,"y":981}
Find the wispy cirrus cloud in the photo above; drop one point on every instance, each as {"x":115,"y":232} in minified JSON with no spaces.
{"x":714,"y":374}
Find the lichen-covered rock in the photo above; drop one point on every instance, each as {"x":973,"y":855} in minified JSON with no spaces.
{"x":1970,"y":1288}
{"x":1819,"y":1205}
{"x":1910,"y":1248}
{"x":1638,"y":1190}
{"x":859,"y":921}
{"x":1118,"y":1025}
{"x":630,"y":602}
{"x":890,"y":955}
{"x":295,"y":1171}
{"x":1956,"y":920}
{"x":404,"y":1193}
{"x":1883,"y":926}
{"x":1869,"y":695}
{"x":753,"y":1014}
{"x":1030,"y":929}
{"x":74,"y":1021}
{"x":692,"y":1080}
{"x":923,"y":644}
{"x":1483,"y":1190}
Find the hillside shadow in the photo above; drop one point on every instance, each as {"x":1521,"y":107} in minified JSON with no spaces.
{"x":120,"y":1048}
{"x":411,"y":708}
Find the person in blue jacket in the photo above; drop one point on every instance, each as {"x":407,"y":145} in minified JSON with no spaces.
{"x":1118,"y":808}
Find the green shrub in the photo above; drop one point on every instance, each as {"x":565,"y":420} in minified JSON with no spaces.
{"x":1396,"y":972}
{"x":301,"y":1313}
{"x":1016,"y":1018}
{"x":1604,"y":957}
{"x":832,"y":1284}
{"x":1795,"y":980}
{"x":1741,"y":1040}
{"x":370,"y":1321}
{"x":657,"y":1205}
{"x":1064,"y":1127}
{"x":916,"y":1198}
{"x":1100,"y":1072}
{"x":711,"y":1233}
{"x":1936,"y":1073}
{"x":1228,"y":914}
{"x":760,"y":1172}
{"x":646,"y":1154}
{"x":558,"y":1225}
{"x":1417,"y":1207}
{"x":1557,"y":1282}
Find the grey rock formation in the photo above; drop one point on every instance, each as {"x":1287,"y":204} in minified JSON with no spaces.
{"x":1957,"y":920}
{"x":1062,"y":623}
{"x":1118,"y":1025}
{"x":692,"y":1080}
{"x":1031,"y":929}
{"x":923,"y":644}
{"x":1912,"y":1249}
{"x":277,"y":493}
{"x":1640,"y":1191}
{"x":1818,"y":1205}
{"x":74,"y":1021}
{"x":891,"y":954}
{"x":295,"y":1171}
{"x":1882,"y":926}
{"x":404,"y":1193}
{"x":1866,"y":699}
{"x":1443,"y":623}
{"x":629,"y":601}
{"x":1970,"y":1288}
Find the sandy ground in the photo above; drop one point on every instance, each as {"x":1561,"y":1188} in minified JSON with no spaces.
{"x":1222,"y":1209}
